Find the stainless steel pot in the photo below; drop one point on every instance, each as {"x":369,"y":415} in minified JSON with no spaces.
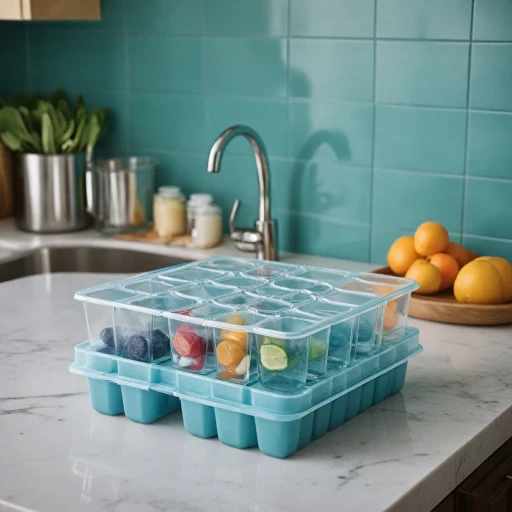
{"x":49,"y":193}
{"x":120,"y":194}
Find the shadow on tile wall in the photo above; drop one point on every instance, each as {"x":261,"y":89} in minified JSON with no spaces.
{"x":377,"y":115}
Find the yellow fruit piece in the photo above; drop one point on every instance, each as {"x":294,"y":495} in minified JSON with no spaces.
{"x":430,"y":237}
{"x":448,"y":267}
{"x":505,"y":269}
{"x":458,"y":253}
{"x":402,"y":255}
{"x":426,"y":275}
{"x":479,"y":282}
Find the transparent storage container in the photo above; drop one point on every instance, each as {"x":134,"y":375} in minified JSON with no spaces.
{"x":234,"y":343}
{"x":368,"y":328}
{"x":227,"y":317}
{"x":192,"y":342}
{"x":341,"y":335}
{"x":285,"y":352}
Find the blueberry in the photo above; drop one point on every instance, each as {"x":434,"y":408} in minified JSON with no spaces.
{"x":137,"y":348}
{"x":107,"y":336}
{"x":161,"y":344}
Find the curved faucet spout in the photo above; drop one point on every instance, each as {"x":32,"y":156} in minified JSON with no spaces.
{"x":261,"y":239}
{"x":260,"y":155}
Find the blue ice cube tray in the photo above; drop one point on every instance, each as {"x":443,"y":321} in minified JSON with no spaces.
{"x":244,"y":416}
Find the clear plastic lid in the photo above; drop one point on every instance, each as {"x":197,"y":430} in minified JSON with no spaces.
{"x":170,"y":192}
{"x":200,"y":199}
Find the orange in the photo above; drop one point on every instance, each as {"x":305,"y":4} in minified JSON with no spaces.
{"x":478,"y":282}
{"x":448,"y":267}
{"x":505,"y":269}
{"x":472,"y":255}
{"x":402,"y":255}
{"x":426,"y":275}
{"x":458,"y":253}
{"x":229,"y":374}
{"x":430,"y":238}
{"x":230,"y":353}
{"x":390,"y":315}
{"x":234,"y":319}
{"x":240,"y":337}
{"x":390,"y":312}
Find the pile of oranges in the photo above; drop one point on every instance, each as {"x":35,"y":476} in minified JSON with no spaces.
{"x":436,"y":264}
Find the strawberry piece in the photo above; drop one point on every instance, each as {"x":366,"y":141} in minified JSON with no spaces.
{"x":197,"y":364}
{"x":187,"y":343}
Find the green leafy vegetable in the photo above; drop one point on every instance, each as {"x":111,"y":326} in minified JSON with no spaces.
{"x":30,"y":123}
{"x":47,"y":135}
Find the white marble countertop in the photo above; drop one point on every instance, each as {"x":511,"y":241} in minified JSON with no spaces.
{"x":57,"y":454}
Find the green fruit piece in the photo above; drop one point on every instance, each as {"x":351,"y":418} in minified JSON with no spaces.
{"x":273,"y":358}
{"x":268,"y":340}
{"x":317,"y":350}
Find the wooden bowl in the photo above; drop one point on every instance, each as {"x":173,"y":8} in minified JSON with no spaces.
{"x":442,"y":307}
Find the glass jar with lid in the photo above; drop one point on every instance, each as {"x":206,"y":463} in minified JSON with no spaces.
{"x":169,"y":212}
{"x":207,"y":231}
{"x":195,"y":201}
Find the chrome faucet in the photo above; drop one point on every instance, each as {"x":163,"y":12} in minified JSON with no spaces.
{"x":261,"y":239}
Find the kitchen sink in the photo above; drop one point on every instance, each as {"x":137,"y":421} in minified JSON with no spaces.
{"x":83,"y":259}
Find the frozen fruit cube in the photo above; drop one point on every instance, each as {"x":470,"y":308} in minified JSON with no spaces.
{"x":187,"y":343}
{"x":161,"y":344}
{"x":137,"y":348}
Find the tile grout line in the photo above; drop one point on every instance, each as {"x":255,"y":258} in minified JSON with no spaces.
{"x":374,"y":113}
{"x":288,"y":95}
{"x":466,"y":152}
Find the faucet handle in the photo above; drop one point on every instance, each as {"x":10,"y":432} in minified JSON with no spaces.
{"x":245,"y":239}
{"x":232,"y":216}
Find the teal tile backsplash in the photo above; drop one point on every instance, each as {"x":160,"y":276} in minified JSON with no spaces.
{"x":415,"y":138}
{"x":424,"y":19}
{"x":422,"y":73}
{"x":491,"y":76}
{"x":377,"y":114}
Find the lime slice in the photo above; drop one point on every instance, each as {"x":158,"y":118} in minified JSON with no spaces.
{"x":274,"y":358}
{"x":268,"y":340}
{"x":317,"y":350}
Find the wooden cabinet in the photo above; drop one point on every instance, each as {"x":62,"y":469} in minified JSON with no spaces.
{"x":50,"y":10}
{"x":487,"y":489}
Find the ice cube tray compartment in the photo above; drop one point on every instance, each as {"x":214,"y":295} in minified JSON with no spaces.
{"x":124,"y":317}
{"x":244,"y":416}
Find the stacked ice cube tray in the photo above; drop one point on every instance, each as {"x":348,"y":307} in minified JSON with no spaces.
{"x":258,"y":353}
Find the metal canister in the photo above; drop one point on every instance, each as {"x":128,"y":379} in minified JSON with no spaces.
{"x":49,"y":192}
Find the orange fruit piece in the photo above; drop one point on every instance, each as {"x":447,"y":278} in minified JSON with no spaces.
{"x":402,"y":255}
{"x":426,"y":275}
{"x":504,"y":267}
{"x":390,"y":315}
{"x":448,"y":267}
{"x":239,"y":336}
{"x":458,"y":253}
{"x":230,"y":353}
{"x":429,"y":238}
{"x":479,"y":282}
{"x":472,"y":255}
{"x":229,"y":374}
